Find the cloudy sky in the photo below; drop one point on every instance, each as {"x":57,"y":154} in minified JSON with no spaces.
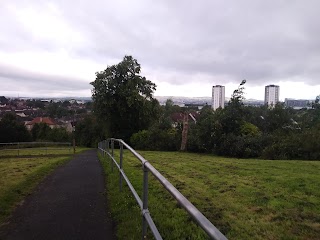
{"x":54,"y":47}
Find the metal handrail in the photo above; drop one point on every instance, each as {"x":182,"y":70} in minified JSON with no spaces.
{"x":203,"y":222}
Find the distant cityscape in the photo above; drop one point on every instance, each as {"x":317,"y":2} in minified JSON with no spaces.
{"x":271,"y":98}
{"x":217,"y":99}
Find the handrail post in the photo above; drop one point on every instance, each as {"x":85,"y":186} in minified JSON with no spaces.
{"x":103,"y":148}
{"x":106,"y":147}
{"x":121,"y":158}
{"x":147,"y":220}
{"x":112,"y":153}
{"x":144,"y":202}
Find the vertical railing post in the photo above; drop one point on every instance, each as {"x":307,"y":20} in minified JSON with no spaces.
{"x":18,"y":148}
{"x":106,"y":147}
{"x":144,"y":201}
{"x":112,"y":153}
{"x":103,"y":147}
{"x":121,"y":158}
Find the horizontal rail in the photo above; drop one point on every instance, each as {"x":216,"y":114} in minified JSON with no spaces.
{"x":203,"y":222}
{"x":135,"y":194}
{"x":152,"y":226}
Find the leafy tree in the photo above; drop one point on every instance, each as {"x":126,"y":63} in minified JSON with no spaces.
{"x":40,"y":132}
{"x":66,"y":103}
{"x":56,"y":110}
{"x":35,"y":103}
{"x":249,"y":129}
{"x":207,"y":131}
{"x":11,"y":130}
{"x":59,"y":135}
{"x":233,"y":115}
{"x":123,"y":100}
{"x":3,"y":100}
{"x":278,"y":118}
{"x":87,"y":132}
{"x":156,"y":139}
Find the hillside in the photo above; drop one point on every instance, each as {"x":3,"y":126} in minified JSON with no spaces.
{"x":245,"y":199}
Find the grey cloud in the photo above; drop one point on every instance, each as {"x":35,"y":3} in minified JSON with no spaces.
{"x":16,"y":78}
{"x":261,"y":41}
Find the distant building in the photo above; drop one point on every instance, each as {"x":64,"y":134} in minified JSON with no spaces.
{"x":271,"y":96}
{"x":253,"y":102}
{"x":298,"y":103}
{"x":38,"y":120}
{"x":218,"y":98}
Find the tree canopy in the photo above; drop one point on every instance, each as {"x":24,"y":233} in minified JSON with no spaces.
{"x":12,"y":130}
{"x":122,"y":99}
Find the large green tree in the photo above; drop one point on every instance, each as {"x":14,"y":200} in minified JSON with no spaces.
{"x":88,"y":132}
{"x":123,"y":100}
{"x":13,"y":130}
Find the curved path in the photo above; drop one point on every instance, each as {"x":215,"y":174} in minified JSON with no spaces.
{"x":69,"y":204}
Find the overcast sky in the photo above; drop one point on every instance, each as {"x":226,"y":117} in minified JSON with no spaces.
{"x":54,"y":48}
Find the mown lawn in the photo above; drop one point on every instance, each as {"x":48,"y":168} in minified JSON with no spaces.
{"x":35,"y":151}
{"x":245,"y":199}
{"x":19,"y":176}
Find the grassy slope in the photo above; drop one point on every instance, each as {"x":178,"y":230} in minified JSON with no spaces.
{"x":35,"y":151}
{"x":19,"y":176}
{"x":245,"y":199}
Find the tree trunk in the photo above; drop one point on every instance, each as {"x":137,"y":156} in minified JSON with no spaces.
{"x":184,"y":133}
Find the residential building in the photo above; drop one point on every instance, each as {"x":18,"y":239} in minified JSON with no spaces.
{"x":298,"y":103}
{"x":271,"y":96}
{"x":38,"y":120}
{"x":218,"y":96}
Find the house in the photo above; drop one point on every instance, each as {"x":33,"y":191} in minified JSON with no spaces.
{"x":178,"y":117}
{"x":38,"y":120}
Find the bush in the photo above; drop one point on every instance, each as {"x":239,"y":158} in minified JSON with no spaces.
{"x":155,"y":139}
{"x":242,"y":146}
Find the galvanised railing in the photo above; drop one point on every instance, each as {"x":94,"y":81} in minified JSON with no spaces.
{"x":203,"y":222}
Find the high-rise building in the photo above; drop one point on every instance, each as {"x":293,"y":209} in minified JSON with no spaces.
{"x":218,"y":97}
{"x":271,"y":96}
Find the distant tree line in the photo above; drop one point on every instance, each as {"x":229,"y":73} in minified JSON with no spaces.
{"x":124,"y":107}
{"x":13,"y":130}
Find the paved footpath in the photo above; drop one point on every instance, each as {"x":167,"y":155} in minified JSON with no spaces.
{"x":69,"y":204}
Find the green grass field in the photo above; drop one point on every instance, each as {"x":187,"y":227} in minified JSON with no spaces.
{"x":19,"y":176}
{"x":35,"y":151}
{"x":245,"y":199}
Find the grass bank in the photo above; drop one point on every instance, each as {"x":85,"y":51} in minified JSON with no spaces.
{"x":4,"y":153}
{"x":19,"y":176}
{"x":245,"y":199}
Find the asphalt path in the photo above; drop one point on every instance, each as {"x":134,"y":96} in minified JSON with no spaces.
{"x":69,"y":204}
